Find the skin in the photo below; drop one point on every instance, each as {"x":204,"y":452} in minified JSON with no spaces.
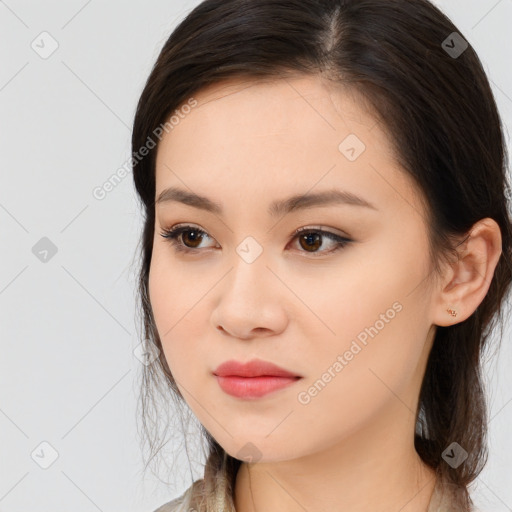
{"x":351,"y":447}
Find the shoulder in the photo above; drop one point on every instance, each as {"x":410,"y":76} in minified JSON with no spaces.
{"x":176,"y":505}
{"x":181,"y":503}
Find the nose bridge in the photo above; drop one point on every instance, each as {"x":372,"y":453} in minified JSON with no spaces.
{"x":248,"y":275}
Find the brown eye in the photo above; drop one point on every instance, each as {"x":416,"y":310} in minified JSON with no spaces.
{"x":185,"y":238}
{"x":194,"y":237}
{"x":310,"y":240}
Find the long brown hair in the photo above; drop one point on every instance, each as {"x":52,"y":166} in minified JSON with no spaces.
{"x":440,"y":113}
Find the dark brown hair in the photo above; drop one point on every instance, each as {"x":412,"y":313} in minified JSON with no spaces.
{"x":441,"y":116}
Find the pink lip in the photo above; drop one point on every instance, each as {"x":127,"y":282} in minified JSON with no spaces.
{"x":254,"y":368}
{"x":253,"y":379}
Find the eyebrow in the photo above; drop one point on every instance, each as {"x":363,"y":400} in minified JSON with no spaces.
{"x":277,"y":208}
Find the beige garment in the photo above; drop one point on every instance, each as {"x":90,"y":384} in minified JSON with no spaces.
{"x":448,"y":498}
{"x":444,"y":499}
{"x":181,"y":503}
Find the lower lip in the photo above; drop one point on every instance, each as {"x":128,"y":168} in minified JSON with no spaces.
{"x":253,"y":387}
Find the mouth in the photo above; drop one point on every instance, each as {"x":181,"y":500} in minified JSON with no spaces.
{"x":254,"y":379}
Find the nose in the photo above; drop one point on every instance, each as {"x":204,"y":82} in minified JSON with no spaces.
{"x":251,"y":301}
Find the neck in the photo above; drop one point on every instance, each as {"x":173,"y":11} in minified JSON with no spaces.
{"x":377,"y":468}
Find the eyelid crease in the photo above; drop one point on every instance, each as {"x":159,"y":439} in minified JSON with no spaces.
{"x":311,"y":227}
{"x":172,"y":235}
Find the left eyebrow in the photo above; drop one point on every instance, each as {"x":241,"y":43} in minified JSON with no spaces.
{"x":277,"y":208}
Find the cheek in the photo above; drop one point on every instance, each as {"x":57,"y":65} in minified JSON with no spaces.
{"x":351,"y":382}
{"x":376,"y":326}
{"x":176,"y":305}
{"x":171,"y":295}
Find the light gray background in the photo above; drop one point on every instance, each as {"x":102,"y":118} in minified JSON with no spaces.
{"x":68,"y":374}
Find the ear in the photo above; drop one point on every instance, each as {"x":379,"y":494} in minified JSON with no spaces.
{"x":467,"y":281}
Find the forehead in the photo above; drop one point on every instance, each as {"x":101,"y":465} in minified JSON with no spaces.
{"x":271,"y":103}
{"x":267,"y":136}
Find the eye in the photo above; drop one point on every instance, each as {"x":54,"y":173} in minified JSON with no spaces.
{"x":313,"y":238}
{"x":193,"y":235}
{"x":187,"y":238}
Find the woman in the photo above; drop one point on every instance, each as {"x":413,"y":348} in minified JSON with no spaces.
{"x":326,"y":247}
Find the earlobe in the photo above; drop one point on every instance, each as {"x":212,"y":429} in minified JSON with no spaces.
{"x":452,"y":312}
{"x":470,"y":275}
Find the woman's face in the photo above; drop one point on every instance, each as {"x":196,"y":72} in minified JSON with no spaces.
{"x":353,"y":320}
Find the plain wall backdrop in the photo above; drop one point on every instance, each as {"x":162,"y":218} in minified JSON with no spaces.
{"x":70,"y":76}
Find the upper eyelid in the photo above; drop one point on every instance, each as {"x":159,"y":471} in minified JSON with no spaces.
{"x":312,"y":227}
{"x":176,"y":231}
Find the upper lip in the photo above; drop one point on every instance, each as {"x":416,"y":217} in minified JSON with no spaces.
{"x":253,"y":368}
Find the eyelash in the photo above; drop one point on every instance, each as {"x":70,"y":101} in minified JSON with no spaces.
{"x":172,"y":236}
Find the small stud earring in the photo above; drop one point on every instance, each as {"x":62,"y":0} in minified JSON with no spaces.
{"x":452,"y":312}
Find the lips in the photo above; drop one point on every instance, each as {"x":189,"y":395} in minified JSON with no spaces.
{"x":254,"y":379}
{"x":254,"y":368}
